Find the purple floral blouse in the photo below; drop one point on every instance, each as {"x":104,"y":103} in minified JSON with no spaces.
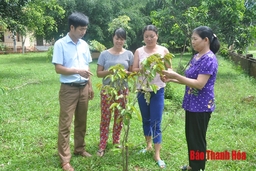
{"x":201,"y":100}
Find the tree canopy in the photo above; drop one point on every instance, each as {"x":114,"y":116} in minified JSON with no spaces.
{"x":233,"y":21}
{"x":30,"y":16}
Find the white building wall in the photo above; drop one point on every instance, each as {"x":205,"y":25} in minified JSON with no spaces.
{"x":8,"y":41}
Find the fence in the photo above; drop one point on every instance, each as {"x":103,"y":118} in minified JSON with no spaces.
{"x":247,"y":63}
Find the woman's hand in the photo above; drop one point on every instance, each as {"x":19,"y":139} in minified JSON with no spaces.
{"x":165,"y":79}
{"x":169,"y":74}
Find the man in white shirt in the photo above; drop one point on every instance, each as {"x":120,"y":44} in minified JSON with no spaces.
{"x":71,"y":57}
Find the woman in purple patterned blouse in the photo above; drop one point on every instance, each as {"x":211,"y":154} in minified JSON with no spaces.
{"x":198,"y":100}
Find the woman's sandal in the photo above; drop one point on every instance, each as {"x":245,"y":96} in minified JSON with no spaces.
{"x":100,"y":153}
{"x":161,"y":164}
{"x":143,"y":151}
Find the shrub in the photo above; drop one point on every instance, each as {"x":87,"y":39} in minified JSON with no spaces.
{"x":174,"y":92}
{"x":224,"y":52}
{"x":2,"y":47}
{"x":96,"y":46}
{"x":49,"y":53}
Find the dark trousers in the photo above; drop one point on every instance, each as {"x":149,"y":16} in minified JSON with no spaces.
{"x":196,"y":126}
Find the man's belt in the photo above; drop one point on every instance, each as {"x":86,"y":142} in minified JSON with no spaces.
{"x":76,"y":84}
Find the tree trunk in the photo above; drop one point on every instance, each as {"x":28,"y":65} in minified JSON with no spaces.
{"x":14,"y":42}
{"x":23,"y":44}
{"x":125,"y":151}
{"x":39,"y":41}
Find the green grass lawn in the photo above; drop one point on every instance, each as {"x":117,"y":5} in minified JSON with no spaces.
{"x":29,"y":121}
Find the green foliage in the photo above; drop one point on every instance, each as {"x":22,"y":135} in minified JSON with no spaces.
{"x":229,"y":14}
{"x":151,"y":66}
{"x":119,"y":76}
{"x":165,"y":45}
{"x":252,"y":48}
{"x":224,"y":52}
{"x":44,"y":20}
{"x":174,"y":93}
{"x":177,"y":20}
{"x":121,"y":21}
{"x":2,"y":47}
{"x":138,"y":12}
{"x":181,"y":68}
{"x":3,"y":25}
{"x":232,"y":21}
{"x":118,"y":79}
{"x":96,"y":46}
{"x":102,"y":13}
{"x":246,"y":38}
{"x":36,"y":17}
{"x":49,"y":54}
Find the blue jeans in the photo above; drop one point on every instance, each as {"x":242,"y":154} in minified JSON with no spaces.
{"x":152,"y":114}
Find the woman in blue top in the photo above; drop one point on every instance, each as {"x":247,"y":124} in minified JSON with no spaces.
{"x":198,"y":100}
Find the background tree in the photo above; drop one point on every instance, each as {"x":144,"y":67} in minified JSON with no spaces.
{"x":138,"y":11}
{"x":248,"y":34}
{"x":225,"y":17}
{"x":44,"y":15}
{"x":61,"y":22}
{"x":175,"y":29}
{"x":37,"y":20}
{"x":180,"y":18}
{"x":29,"y":16}
{"x":232,"y":20}
{"x":101,"y":13}
{"x":10,"y":11}
{"x":123,"y":22}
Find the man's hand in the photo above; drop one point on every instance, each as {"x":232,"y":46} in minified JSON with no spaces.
{"x":84,"y":73}
{"x":90,"y":93}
